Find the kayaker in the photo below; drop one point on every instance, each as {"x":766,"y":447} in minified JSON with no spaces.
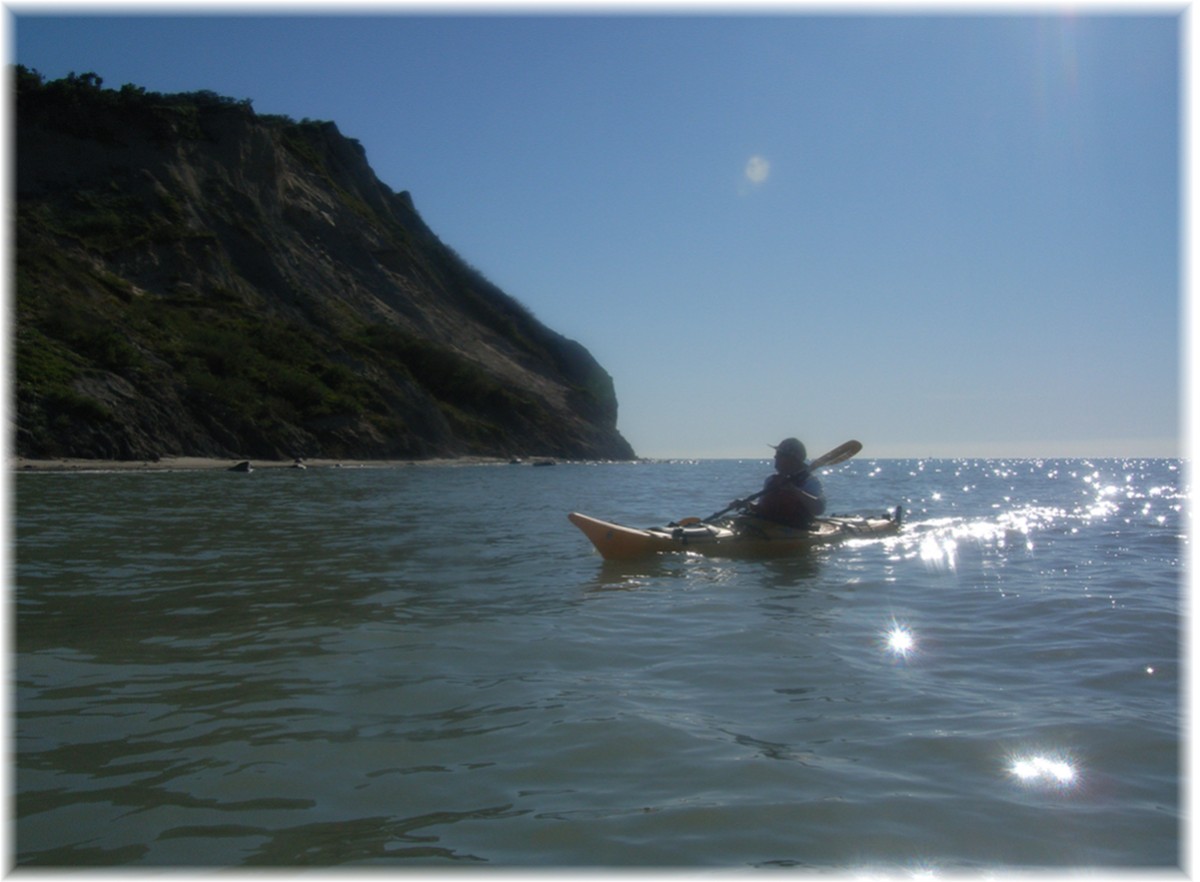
{"x":792,"y":496}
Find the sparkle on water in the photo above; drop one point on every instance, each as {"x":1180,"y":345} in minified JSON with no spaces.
{"x":1042,"y":769}
{"x":900,"y":640}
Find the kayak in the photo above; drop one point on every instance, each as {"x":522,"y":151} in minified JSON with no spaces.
{"x":743,"y":536}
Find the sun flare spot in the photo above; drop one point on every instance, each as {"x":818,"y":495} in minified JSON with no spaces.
{"x":757,"y":170}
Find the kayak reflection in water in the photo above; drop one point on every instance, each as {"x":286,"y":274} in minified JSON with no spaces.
{"x":792,"y":496}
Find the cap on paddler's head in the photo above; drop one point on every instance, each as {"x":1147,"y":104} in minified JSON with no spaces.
{"x":791,"y":447}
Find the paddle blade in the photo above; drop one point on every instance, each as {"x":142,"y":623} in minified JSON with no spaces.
{"x":841,"y":453}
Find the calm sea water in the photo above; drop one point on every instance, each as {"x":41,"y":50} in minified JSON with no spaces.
{"x":430,"y":667}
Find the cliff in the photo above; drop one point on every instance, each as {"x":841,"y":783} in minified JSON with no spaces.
{"x":195,"y":279}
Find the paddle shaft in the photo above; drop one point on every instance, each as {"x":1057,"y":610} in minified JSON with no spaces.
{"x":841,"y":453}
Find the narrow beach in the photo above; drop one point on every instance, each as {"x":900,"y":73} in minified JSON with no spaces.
{"x":194,"y":463}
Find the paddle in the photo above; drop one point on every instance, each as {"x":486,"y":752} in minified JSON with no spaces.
{"x":841,"y":453}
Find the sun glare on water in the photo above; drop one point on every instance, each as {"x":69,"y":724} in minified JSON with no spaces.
{"x":1044,"y":770}
{"x":900,"y":640}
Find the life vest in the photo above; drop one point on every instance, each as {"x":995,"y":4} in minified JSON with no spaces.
{"x":792,"y":500}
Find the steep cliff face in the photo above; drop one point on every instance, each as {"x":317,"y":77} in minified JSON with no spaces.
{"x":196,"y":279}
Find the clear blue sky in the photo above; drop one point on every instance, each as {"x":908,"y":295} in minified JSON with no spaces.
{"x":941,"y":235}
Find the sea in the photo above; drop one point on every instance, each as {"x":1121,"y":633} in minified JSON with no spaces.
{"x":429,"y":668}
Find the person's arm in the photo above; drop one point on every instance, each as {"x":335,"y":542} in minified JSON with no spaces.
{"x":813,"y":495}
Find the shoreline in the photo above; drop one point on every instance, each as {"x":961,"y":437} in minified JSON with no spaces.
{"x":199,"y":463}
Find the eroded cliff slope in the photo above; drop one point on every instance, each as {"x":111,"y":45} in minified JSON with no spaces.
{"x":196,"y":279}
